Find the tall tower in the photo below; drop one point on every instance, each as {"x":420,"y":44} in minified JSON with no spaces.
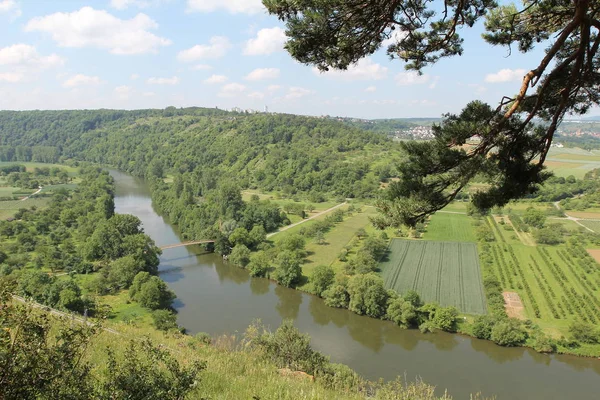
{"x":266,"y":109}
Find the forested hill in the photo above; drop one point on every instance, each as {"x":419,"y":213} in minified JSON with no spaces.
{"x":267,"y":151}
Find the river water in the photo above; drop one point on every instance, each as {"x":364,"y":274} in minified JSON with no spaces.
{"x":217,"y":298}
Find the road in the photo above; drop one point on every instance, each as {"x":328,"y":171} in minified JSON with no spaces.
{"x":285,"y":228}
{"x":568,"y":217}
{"x":32,"y":194}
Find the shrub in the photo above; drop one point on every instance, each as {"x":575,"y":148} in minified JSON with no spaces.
{"x":164,"y":320}
{"x":482,"y":326}
{"x":508,"y":333}
{"x":322,"y":277}
{"x":584,"y":332}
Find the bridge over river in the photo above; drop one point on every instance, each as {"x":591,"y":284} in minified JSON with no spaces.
{"x":183,"y":244}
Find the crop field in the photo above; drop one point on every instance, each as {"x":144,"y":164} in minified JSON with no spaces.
{"x":593,"y":225}
{"x":445,"y":272}
{"x":450,"y":227}
{"x":557,"y":284}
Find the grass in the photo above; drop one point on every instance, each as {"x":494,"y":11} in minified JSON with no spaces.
{"x":444,"y":272}
{"x":9,"y":208}
{"x":335,"y":240}
{"x":450,"y":227}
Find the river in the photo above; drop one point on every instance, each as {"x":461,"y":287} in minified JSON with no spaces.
{"x":217,"y":298}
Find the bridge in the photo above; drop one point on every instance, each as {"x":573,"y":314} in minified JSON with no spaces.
{"x":183,"y":244}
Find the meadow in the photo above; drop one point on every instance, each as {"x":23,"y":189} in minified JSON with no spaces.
{"x":450,"y":227}
{"x":444,"y":272}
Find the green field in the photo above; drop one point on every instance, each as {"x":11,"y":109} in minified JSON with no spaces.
{"x":450,"y":227}
{"x":9,"y":208}
{"x":335,"y":240}
{"x":593,"y":225}
{"x":31,"y":165}
{"x":445,"y":272}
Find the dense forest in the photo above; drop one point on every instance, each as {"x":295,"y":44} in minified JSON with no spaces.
{"x":272,"y":152}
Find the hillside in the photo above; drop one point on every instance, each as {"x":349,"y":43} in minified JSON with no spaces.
{"x":267,"y":151}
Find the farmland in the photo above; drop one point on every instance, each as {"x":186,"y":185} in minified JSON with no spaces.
{"x":450,"y":227}
{"x":445,"y":272}
{"x":557,"y":284}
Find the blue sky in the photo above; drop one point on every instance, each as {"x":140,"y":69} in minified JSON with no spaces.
{"x":226,"y":53}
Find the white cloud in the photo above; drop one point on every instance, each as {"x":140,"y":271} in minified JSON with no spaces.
{"x":216,"y":49}
{"x":505,"y":75}
{"x":257,"y":95}
{"x":273,"y":88}
{"x":201,"y":67}
{"x":99,"y":29}
{"x":133,"y":77}
{"x":11,"y":77}
{"x":267,"y":41}
{"x":478,"y":88}
{"x":24,"y":55}
{"x":297,"y":92}
{"x":364,"y":70}
{"x":232,"y":6}
{"x":10,"y":7}
{"x":371,"y":89}
{"x":434,"y":82}
{"x":163,"y":81}
{"x":123,"y":92}
{"x":232,"y":89}
{"x":124,"y":4}
{"x":80,"y":79}
{"x":148,"y":94}
{"x":424,"y":103}
{"x":262,"y":74}
{"x":395,"y":37}
{"x":216,"y":79}
{"x":411,"y":78}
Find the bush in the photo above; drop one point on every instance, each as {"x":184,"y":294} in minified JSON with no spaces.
{"x":164,"y":320}
{"x":508,"y":333}
{"x":203,"y":338}
{"x":482,"y":326}
{"x":336,"y":296}
{"x":321,"y":279}
{"x":584,"y":332}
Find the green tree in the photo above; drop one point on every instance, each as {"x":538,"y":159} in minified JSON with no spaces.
{"x":240,"y":236}
{"x":151,"y":292}
{"x":534,"y":217}
{"x":367,"y":295}
{"x":288,"y":271}
{"x":483,"y":325}
{"x":584,"y":332}
{"x":336,"y":296}
{"x":445,"y":318}
{"x":508,"y":333}
{"x":259,"y":265}
{"x":240,"y":255}
{"x":322,"y":278}
{"x":402,"y":313}
{"x":147,"y":371}
{"x":513,"y":139}
{"x":164,"y":320}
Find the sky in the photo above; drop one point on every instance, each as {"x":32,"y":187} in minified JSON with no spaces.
{"x":131,"y":54}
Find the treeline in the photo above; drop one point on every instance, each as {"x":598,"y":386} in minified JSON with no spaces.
{"x":279,"y":152}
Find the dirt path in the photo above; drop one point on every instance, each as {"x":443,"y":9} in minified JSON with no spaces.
{"x":32,"y":194}
{"x":568,"y":217}
{"x":285,"y":228}
{"x":60,"y":313}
